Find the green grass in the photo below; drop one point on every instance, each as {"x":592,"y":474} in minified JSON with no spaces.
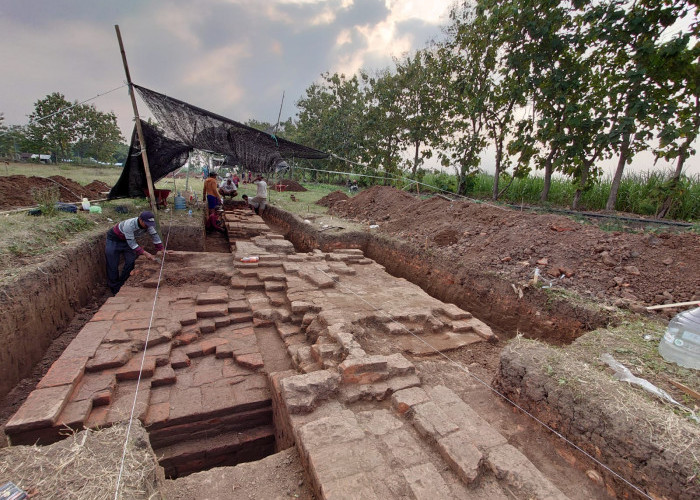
{"x":640,"y":194}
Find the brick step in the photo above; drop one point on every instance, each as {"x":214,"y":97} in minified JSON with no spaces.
{"x":230,"y":448}
{"x":235,"y":422}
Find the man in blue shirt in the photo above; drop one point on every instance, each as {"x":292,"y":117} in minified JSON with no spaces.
{"x":121,"y":240}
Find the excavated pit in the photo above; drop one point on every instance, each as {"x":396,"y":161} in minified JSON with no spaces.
{"x":206,"y":399}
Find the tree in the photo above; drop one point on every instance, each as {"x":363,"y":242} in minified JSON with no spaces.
{"x":417,"y":110}
{"x":626,"y":42}
{"x":330,"y":118}
{"x":97,"y":133}
{"x":52,"y":126}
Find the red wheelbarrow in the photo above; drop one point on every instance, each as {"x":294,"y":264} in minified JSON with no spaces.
{"x":161,"y":196}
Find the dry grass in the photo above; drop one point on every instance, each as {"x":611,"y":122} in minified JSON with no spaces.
{"x":85,"y":466}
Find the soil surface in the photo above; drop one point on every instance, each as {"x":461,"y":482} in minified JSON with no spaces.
{"x":291,"y":185}
{"x":332,"y":198}
{"x":631,"y":269}
{"x":16,"y":190}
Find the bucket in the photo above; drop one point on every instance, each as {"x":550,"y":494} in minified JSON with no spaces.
{"x":86,"y":204}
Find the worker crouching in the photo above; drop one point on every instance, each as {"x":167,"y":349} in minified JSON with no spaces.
{"x":121,"y":240}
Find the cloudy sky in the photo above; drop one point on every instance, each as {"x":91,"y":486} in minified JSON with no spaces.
{"x":232,"y":57}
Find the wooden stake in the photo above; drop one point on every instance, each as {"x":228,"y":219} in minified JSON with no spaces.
{"x":142,"y":142}
{"x":677,"y":304}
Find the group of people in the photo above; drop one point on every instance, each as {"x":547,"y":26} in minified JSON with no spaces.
{"x":121,"y":239}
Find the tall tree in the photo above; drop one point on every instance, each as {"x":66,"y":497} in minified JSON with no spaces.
{"x":52,"y":126}
{"x":625,"y":41}
{"x":97,"y":133}
{"x":330,"y":117}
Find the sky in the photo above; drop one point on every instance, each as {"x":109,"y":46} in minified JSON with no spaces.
{"x":232,"y":57}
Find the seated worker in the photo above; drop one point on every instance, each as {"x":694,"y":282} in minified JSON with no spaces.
{"x":210,"y":193}
{"x":215,"y":221}
{"x":228,"y":188}
{"x":121,"y":240}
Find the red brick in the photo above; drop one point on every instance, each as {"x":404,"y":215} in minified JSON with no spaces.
{"x":161,"y":353}
{"x":131,"y":370}
{"x":261,"y":323}
{"x":93,"y":383}
{"x":97,"y":417}
{"x":157,"y":414}
{"x":41,"y":409}
{"x":222,"y":322}
{"x":103,"y":315}
{"x":252,"y":360}
{"x":179,"y":359}
{"x":109,"y":356}
{"x":224,"y":351}
{"x":212,"y":310}
{"x":75,"y":414}
{"x":88,"y":339}
{"x":241,"y":317}
{"x":207,"y":326}
{"x":209,"y":345}
{"x":188,"y":318}
{"x":164,"y":375}
{"x":64,"y":371}
{"x":212,"y":298}
{"x":102,"y":398}
{"x":238,"y":306}
{"x":185,"y":338}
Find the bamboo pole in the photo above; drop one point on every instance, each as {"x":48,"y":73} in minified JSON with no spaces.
{"x":139,"y":131}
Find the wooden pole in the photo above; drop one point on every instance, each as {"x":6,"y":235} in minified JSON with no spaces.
{"x":139,"y":131}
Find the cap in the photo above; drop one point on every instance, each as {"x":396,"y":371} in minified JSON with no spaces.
{"x":228,"y":176}
{"x":148,"y":218}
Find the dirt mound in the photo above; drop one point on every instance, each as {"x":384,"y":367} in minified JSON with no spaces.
{"x":16,"y":190}
{"x":97,"y":188}
{"x":620,"y":267}
{"x":373,"y":203}
{"x":291,"y":185}
{"x":332,"y":198}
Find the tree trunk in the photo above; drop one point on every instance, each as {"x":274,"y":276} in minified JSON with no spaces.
{"x":666,"y":205}
{"x":547,"y":175}
{"x":497,"y":174}
{"x":624,"y":151}
{"x":415,"y":159}
{"x":582,"y":185}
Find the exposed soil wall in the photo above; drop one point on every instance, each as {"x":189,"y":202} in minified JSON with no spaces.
{"x":492,"y":299}
{"x":42,"y":301}
{"x":649,"y":445}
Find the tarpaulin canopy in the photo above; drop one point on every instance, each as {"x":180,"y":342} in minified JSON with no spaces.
{"x":182,"y":127}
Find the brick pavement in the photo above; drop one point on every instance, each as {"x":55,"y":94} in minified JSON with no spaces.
{"x":346,"y":395}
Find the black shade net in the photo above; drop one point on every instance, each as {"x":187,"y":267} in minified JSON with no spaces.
{"x":183,"y":127}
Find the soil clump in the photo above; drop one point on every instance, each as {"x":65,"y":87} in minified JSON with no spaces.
{"x":620,"y":268}
{"x":16,"y":190}
{"x":332,"y":198}
{"x":291,"y":185}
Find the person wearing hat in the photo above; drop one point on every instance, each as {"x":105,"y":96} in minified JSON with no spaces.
{"x":211,"y":193}
{"x":228,"y":187}
{"x":121,"y":240}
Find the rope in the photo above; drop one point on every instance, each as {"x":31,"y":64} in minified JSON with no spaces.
{"x":69,"y":107}
{"x":143,"y":359}
{"x":64,"y":187}
{"x":485,"y":384}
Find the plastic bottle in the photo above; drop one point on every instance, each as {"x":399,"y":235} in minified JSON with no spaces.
{"x":86,"y":204}
{"x":189,"y":213}
{"x":681,"y":342}
{"x":180,"y":202}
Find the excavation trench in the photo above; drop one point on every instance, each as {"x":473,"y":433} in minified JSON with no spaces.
{"x":232,"y":429}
